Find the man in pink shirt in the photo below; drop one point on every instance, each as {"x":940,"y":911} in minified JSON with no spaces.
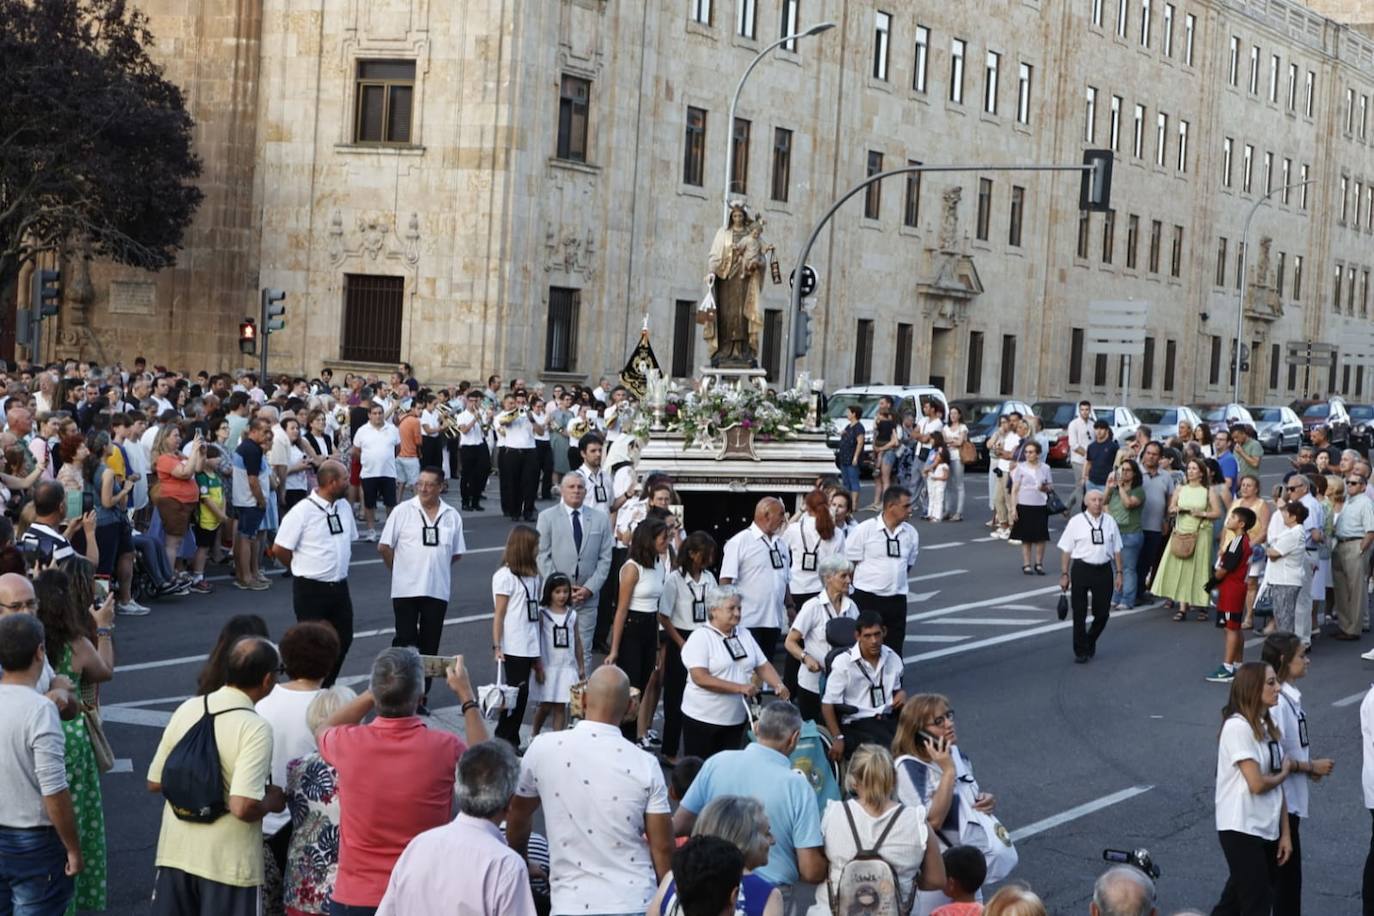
{"x":395,"y":775}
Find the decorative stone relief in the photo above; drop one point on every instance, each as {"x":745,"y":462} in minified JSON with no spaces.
{"x":569,"y":252}
{"x":373,"y":234}
{"x":951,"y":279}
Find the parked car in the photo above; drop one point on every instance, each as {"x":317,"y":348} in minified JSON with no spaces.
{"x":1361,"y":426}
{"x":981,"y":414}
{"x":1331,"y":414}
{"x":1277,"y":427}
{"x":1229,"y":414}
{"x":1122,"y":421}
{"x":1058,"y":455}
{"x":906,"y":397}
{"x":1055,"y":417}
{"x":1163,"y":420}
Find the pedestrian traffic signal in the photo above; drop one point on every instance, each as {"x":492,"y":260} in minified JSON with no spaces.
{"x":802,"y":339}
{"x":248,"y":337}
{"x":47,"y":293}
{"x":273,"y":311}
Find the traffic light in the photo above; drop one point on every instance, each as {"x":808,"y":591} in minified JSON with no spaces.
{"x":1095,"y":188}
{"x":47,"y":293}
{"x":802,"y":339}
{"x":248,"y":337}
{"x":273,"y":310}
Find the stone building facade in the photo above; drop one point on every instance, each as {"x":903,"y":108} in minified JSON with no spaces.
{"x":512,"y":186}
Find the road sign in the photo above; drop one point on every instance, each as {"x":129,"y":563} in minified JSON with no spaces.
{"x":1310,"y":353}
{"x":808,"y":280}
{"x":1116,"y":327}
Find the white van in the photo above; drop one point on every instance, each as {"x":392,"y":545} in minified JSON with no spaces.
{"x":907,"y":398}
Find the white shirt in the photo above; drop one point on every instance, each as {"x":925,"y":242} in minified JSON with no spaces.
{"x":903,"y":848}
{"x":296,"y":480}
{"x":543,"y":420}
{"x":1288,"y":541}
{"x":285,"y":711}
{"x":684,"y":599}
{"x":927,"y":425}
{"x":629,"y":515}
{"x":320,"y":548}
{"x":1238,"y":808}
{"x":623,"y":480}
{"x":733,"y":658}
{"x":138,"y":464}
{"x":520,"y":629}
{"x":1288,"y":715}
{"x":1079,"y":536}
{"x":149,"y":437}
{"x":759,"y":565}
{"x":520,"y":432}
{"x":598,"y":487}
{"x":1009,"y":443}
{"x":473,"y":436}
{"x":595,"y":789}
{"x":162,"y":404}
{"x":1080,"y":436}
{"x":1367,"y":742}
{"x":420,"y":569}
{"x":430,"y":419}
{"x":871,"y":549}
{"x":810,"y":623}
{"x":377,"y":445}
{"x":808,"y":550}
{"x":869,"y":688}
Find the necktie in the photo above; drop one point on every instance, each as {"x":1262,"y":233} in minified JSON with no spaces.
{"x":577,"y":530}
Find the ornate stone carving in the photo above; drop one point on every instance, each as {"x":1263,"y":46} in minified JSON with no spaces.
{"x":949,"y":218}
{"x":375,"y":239}
{"x":1262,"y":301}
{"x":373,"y":232}
{"x":570,"y":252}
{"x":336,"y":238}
{"x":952,"y":277}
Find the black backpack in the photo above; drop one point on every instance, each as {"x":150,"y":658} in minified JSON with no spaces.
{"x":192,"y":781}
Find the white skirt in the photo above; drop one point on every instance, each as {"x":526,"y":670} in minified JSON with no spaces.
{"x":557,"y":681}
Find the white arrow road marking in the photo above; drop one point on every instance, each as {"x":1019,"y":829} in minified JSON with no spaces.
{"x":921,"y":596}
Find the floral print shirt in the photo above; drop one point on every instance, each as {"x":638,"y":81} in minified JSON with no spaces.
{"x":313,"y":860}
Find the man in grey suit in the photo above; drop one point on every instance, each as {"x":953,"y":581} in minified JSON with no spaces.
{"x":576,"y":540}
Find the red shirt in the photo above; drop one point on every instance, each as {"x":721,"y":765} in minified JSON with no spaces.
{"x":395,"y":781}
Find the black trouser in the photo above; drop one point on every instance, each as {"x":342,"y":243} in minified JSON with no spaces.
{"x":809,"y":705}
{"x":1089,"y":579}
{"x":453,"y":449}
{"x":476,"y":470}
{"x":702,"y":739}
{"x":544,"y":455}
{"x":792,"y":666}
{"x":638,"y":647}
{"x":893,"y":611}
{"x":767,"y":638}
{"x":327,"y":601}
{"x":1368,"y":886}
{"x":674,"y":683}
{"x":280,"y":843}
{"x":517,"y":674}
{"x":610,"y":594}
{"x":1288,"y":876}
{"x":878,"y":730}
{"x":419,"y":623}
{"x":431,"y":451}
{"x":519,"y":471}
{"x":1151,"y":548}
{"x":1252,"y":861}
{"x":291,"y":497}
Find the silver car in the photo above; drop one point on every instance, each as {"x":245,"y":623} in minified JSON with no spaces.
{"x":1277,"y":427}
{"x":1163,"y":420}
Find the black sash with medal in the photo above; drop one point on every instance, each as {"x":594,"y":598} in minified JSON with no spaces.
{"x":810,"y":558}
{"x":1302,"y":721}
{"x":561,"y":639}
{"x":894,"y":546}
{"x":332,"y":519}
{"x":599,"y":488}
{"x":877,"y":697}
{"x":735,"y":647}
{"x":531,"y":603}
{"x":698,"y":603}
{"x":429,"y":534}
{"x":774,"y":554}
{"x":1096,"y":533}
{"x":1275,"y":756}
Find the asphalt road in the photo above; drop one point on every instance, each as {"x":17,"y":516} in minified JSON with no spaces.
{"x":1117,"y":753}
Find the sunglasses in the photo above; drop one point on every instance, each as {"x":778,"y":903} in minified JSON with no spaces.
{"x":1357,"y":482}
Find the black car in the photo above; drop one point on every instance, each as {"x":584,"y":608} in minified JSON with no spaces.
{"x":1330,"y":414}
{"x":1361,"y":426}
{"x":980,"y":416}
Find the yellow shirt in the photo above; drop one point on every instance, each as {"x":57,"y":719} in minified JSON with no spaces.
{"x":115,"y":462}
{"x":229,"y":850}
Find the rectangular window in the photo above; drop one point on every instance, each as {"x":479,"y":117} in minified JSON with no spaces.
{"x":789,"y":23}
{"x":1280,"y":272}
{"x":882,"y":33}
{"x":1336,"y":299}
{"x":1108,"y":235}
{"x":1297,"y":278}
{"x":1254,"y":69}
{"x":990,"y":72}
{"x":1023,"y":94}
{"x":1099,"y":370}
{"x":782,"y":163}
{"x":1302,"y":187}
{"x":1286,"y":176}
{"x":1369,"y":207}
{"x":1292,"y":376}
{"x":1170,"y":359}
{"x":746,"y":23}
{"x":373,"y":313}
{"x":771,"y":343}
{"x":1214,"y":365}
{"x":1227,"y":149}
{"x":1292,"y":87}
{"x":385,"y":90}
{"x":1189,"y":29}
{"x":1220,"y":279}
{"x":1168,"y":30}
{"x":984,"y":216}
{"x":1274,"y":78}
{"x":1355,"y":213}
{"x":572,"y":118}
{"x":1008,"y":364}
{"x":1115,"y":125}
{"x":1161,"y":137}
{"x":863,"y":352}
{"x":1268,"y":172}
{"x":684,"y":338}
{"x":1364,"y":293}
{"x":1176,"y":253}
{"x":873,"y":193}
{"x":1090,"y":115}
{"x":1345,"y":198}
{"x":901,"y":361}
{"x":1349,"y":111}
{"x":1076,"y":356}
{"x":694,"y":148}
{"x":911,"y":207}
{"x":1350,"y":291}
{"x":1183,"y":146}
{"x":1310,"y":94}
{"x":921,"y":66}
{"x":1096,"y":13}
{"x":1147,"y":365}
{"x":1123,"y":17}
{"x":1233,"y":64}
{"x":739,"y":157}
{"x":701,"y":11}
{"x":1138,"y":146}
{"x":1247,"y":165}
{"x":1274,"y":360}
{"x":956,"y":70}
{"x":1132,"y":239}
{"x":1144,"y":23}
{"x":1364,"y":115}
{"x":560,"y":342}
{"x":1083,"y":225}
{"x":1156,"y":241}
{"x":974,"y":382}
{"x":1331,"y":377}
{"x":1018,"y":210}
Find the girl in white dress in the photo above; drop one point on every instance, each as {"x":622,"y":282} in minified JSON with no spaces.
{"x":560,"y":649}
{"x":937,"y":478}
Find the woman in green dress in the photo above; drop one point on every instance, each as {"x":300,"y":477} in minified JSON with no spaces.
{"x":80,"y":641}
{"x":1183,"y":579}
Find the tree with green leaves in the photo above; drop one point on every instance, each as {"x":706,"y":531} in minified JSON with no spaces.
{"x":95,"y":145}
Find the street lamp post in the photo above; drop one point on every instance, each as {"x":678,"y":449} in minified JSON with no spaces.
{"x":734,"y":102}
{"x":1244,"y":264}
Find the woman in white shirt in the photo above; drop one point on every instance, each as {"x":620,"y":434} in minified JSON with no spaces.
{"x":634,"y":631}
{"x":515,"y":593}
{"x":806,"y":642}
{"x":810,"y":540}
{"x":842,"y":511}
{"x":909,"y":846}
{"x":296,"y":487}
{"x":682,"y":609}
{"x":722,"y":662}
{"x":1285,"y":653}
{"x":1251,"y":817}
{"x":1031,"y":485}
{"x":956,"y":434}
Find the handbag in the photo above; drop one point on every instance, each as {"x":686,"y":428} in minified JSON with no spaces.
{"x":494,"y":699}
{"x":1054,"y":505}
{"x":100,"y":744}
{"x":1182,"y":545}
{"x":1063,"y":609}
{"x":967,"y":453}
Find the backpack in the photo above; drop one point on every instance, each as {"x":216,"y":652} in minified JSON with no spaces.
{"x":868,"y":884}
{"x":192,"y":781}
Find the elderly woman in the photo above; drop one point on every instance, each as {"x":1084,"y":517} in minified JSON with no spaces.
{"x":806,"y":640}
{"x":1031,"y":485}
{"x":312,"y":859}
{"x":743,"y":822}
{"x":722,"y":662}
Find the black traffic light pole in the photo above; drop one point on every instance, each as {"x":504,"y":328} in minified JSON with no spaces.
{"x":1096,"y":194}
{"x":270,"y":320}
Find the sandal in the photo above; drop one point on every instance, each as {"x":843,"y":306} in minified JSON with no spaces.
{"x":1180,"y":615}
{"x":1039,"y":569}
{"x":1203,"y":615}
{"x":1026,"y":570}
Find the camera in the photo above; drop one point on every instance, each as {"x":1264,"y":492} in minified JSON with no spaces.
{"x":1139,"y":858}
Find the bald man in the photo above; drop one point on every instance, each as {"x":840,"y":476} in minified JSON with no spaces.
{"x":17,"y":597}
{"x":758,"y":564}
{"x":622,"y":808}
{"x":1123,"y":890}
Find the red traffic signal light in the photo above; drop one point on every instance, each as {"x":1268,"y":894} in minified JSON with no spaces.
{"x":248,"y":336}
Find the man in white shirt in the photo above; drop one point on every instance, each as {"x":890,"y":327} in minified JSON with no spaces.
{"x":1354,"y":535}
{"x":1092,"y":543}
{"x":375,"y":445}
{"x":420,"y":543}
{"x":431,"y":431}
{"x":863,"y":693}
{"x":1080,"y":432}
{"x":758,"y":564}
{"x":883,"y":551}
{"x":1001,"y":462}
{"x":315,"y":539}
{"x":519,"y":468}
{"x":610,"y":834}
{"x":474,"y":456}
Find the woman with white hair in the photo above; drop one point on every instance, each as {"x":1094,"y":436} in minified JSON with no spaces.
{"x":806,"y":640}
{"x":723,"y":665}
{"x":312,"y":859}
{"x":742,"y":822}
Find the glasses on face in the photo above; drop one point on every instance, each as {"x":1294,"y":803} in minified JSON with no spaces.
{"x":1290,"y":489}
{"x":1357,"y":482}
{"x":947,"y":716}
{"x":30,"y":604}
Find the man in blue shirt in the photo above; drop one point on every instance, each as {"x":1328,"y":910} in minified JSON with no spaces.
{"x":1101,"y":457}
{"x":762,"y":771}
{"x":1221,"y":450}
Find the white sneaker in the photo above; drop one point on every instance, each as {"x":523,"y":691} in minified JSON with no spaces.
{"x":370,"y":535}
{"x":1013,"y":541}
{"x":132,"y":609}
{"x":1368,"y":656}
